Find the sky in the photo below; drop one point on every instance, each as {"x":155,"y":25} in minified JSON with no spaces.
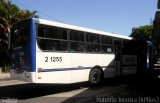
{"x":116,"y":16}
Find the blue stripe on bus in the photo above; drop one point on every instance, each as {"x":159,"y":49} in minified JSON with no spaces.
{"x":63,"y":69}
{"x":66,"y":69}
{"x":33,"y":45}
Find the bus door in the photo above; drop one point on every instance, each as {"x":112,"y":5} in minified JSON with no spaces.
{"x":118,"y":57}
{"x":149,"y":55}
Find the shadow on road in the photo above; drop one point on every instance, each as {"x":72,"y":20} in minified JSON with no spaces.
{"x":30,"y":90}
{"x":121,"y":90}
{"x":115,"y":87}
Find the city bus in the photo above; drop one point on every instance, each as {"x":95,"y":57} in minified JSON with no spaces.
{"x":44,"y":51}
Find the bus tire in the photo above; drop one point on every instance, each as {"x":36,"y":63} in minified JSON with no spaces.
{"x":95,"y":76}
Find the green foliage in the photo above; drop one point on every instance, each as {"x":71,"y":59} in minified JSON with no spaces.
{"x":9,"y":14}
{"x":143,"y":32}
{"x":3,"y":12}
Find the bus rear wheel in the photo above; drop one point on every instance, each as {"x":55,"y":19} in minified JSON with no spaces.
{"x":95,"y":76}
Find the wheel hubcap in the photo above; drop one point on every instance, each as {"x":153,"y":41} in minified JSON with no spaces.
{"x":95,"y":77}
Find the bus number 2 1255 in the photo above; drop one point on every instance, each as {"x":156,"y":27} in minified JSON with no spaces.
{"x":53,"y":59}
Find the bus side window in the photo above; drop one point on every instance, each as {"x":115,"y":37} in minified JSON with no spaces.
{"x":42,"y":43}
{"x":107,"y":46}
{"x":51,"y":45}
{"x":92,"y":47}
{"x":77,"y":47}
{"x":92,"y":38}
{"x":52,"y":38}
{"x":77,"y":41}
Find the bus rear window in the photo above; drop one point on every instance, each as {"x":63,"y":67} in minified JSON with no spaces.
{"x":19,"y":34}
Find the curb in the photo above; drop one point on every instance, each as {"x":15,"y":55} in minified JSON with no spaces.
{"x":5,"y":79}
{"x":5,"y":76}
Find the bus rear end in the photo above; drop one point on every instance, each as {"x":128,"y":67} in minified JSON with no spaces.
{"x":22,"y":51}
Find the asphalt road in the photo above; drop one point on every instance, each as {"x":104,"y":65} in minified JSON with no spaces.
{"x":122,"y":90}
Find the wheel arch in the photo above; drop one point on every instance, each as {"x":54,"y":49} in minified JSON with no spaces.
{"x":98,"y":67}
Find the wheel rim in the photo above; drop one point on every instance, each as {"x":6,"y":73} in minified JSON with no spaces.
{"x":95,"y":77}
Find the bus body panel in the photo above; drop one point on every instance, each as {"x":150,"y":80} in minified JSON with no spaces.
{"x":129,"y":64}
{"x":71,"y":68}
{"x":107,"y":62}
{"x":32,"y":43}
{"x":23,"y":58}
{"x":60,"y":77}
{"x":51,"y":66}
{"x":84,"y":62}
{"x":25,"y":76}
{"x":67,"y":26}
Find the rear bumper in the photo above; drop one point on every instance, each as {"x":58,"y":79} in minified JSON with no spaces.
{"x":24,"y":76}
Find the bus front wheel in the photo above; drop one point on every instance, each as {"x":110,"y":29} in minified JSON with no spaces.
{"x":95,"y":76}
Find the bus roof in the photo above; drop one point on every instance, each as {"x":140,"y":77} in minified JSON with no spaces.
{"x":67,"y":26}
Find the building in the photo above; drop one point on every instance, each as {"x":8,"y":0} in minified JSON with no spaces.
{"x":156,"y":26}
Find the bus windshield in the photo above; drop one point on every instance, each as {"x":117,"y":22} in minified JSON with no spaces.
{"x":19,"y":34}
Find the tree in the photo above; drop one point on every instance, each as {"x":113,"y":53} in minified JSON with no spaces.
{"x":9,"y":14}
{"x":143,"y":32}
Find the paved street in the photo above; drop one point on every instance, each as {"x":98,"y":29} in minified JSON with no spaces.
{"x":112,"y":90}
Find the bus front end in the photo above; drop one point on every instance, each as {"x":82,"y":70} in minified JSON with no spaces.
{"x":22,"y":49}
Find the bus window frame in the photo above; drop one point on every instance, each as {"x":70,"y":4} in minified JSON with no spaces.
{"x":69,"y":41}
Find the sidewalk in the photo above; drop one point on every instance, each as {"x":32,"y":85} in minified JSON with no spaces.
{"x":4,"y":76}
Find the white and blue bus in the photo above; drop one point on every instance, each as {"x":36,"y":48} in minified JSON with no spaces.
{"x":45,"y":51}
